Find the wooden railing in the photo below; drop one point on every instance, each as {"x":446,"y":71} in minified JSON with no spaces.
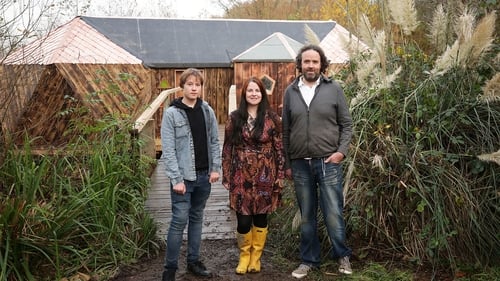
{"x":145,"y":127}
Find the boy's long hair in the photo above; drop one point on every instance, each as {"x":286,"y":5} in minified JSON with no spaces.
{"x":240,"y":115}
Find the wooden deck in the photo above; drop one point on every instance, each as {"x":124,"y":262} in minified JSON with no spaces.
{"x":219,"y":220}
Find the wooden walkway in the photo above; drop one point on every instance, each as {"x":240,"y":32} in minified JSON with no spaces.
{"x":219,"y":220}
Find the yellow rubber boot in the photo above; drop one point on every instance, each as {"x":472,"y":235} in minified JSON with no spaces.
{"x":244,"y":244}
{"x":258,"y":241}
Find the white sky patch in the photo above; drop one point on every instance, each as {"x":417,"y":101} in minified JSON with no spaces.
{"x":192,"y":9}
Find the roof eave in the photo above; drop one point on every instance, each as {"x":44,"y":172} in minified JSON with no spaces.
{"x":264,"y":60}
{"x":187,"y":65}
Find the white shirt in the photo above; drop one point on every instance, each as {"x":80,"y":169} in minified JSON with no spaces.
{"x":306,"y":91}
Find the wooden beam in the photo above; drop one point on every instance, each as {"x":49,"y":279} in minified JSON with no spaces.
{"x":152,"y":108}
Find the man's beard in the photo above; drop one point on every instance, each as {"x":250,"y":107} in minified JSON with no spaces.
{"x":310,"y":78}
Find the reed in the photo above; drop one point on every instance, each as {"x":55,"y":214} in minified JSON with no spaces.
{"x":81,"y":211}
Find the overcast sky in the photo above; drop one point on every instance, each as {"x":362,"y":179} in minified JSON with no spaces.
{"x":188,"y":9}
{"x":196,"y":8}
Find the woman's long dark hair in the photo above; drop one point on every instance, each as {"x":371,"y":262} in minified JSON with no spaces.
{"x":240,"y":115}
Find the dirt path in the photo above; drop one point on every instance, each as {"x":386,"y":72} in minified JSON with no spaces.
{"x":220,"y":256}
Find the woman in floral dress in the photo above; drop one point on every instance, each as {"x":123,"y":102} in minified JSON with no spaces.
{"x":253,"y":170}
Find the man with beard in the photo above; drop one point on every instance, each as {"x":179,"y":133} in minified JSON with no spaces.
{"x":317,"y":130}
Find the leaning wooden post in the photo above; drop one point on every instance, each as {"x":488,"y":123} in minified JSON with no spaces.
{"x":143,"y":132}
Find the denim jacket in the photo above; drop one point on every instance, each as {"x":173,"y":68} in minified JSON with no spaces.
{"x":177,"y":144}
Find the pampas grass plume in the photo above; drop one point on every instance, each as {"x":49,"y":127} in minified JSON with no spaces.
{"x":447,"y":59}
{"x":482,"y":37}
{"x":471,"y":43}
{"x":366,"y":31}
{"x":439,"y":29}
{"x":404,"y":14}
{"x":492,"y":157}
{"x":464,"y":26}
{"x":311,"y":37}
{"x":387,"y":82}
{"x":491,"y":91}
{"x":377,"y":162}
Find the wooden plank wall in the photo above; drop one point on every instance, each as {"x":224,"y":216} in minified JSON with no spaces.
{"x":119,"y":88}
{"x":73,"y":92}
{"x":57,"y":91}
{"x":217,"y":82}
{"x":48,"y":113}
{"x":17,"y":84}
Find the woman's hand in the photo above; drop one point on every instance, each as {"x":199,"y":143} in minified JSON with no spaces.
{"x":280,"y":183}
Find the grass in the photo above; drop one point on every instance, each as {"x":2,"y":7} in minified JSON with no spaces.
{"x":81,"y":211}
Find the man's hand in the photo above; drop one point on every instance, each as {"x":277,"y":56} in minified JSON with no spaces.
{"x":180,"y":188}
{"x":336,"y":158}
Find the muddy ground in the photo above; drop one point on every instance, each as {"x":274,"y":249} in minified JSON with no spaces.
{"x":221,"y":257}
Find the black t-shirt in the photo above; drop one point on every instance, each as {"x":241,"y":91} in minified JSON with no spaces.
{"x":198,"y":130}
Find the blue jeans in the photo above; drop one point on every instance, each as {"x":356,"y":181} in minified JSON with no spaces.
{"x":187,"y":208}
{"x":313,"y":180}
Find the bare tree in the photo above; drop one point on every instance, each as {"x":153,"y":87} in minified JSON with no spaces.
{"x":20,"y":22}
{"x":64,"y":10}
{"x":130,"y":8}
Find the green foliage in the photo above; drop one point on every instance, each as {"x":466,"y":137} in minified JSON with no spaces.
{"x":79,"y":210}
{"x":418,"y":186}
{"x":418,"y":189}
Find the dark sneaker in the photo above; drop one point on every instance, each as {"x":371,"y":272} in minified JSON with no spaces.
{"x":168,"y":275}
{"x":198,"y":269}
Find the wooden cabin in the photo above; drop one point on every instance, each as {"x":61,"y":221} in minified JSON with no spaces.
{"x":273,"y":61}
{"x":94,"y":66}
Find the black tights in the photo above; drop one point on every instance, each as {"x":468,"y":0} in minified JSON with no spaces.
{"x":245,"y":222}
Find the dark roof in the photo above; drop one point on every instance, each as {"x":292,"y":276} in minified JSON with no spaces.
{"x":164,"y":43}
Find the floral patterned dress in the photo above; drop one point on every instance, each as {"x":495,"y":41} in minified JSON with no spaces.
{"x":252,"y":168}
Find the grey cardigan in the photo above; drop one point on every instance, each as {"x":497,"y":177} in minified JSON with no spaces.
{"x":320,"y":129}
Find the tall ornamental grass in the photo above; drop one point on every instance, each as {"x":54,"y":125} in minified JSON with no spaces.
{"x":423,"y":174}
{"x":80,"y":211}
{"x":418,"y":182}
